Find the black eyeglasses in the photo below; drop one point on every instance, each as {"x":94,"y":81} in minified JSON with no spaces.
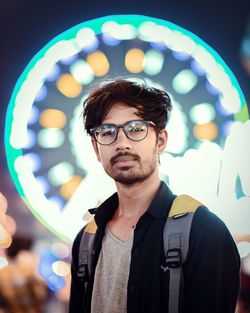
{"x":106,"y":134}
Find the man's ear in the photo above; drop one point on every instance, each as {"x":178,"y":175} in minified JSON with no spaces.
{"x":162,"y":141}
{"x":95,"y":146}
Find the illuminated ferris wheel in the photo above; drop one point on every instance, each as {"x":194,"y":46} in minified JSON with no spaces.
{"x":49,"y":155}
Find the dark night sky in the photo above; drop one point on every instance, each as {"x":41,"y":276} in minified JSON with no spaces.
{"x":26,"y":26}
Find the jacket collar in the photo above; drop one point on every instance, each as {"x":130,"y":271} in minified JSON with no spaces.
{"x":158,"y":208}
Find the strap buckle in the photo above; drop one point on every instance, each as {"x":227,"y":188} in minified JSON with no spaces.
{"x":82,"y":272}
{"x":173,"y":258}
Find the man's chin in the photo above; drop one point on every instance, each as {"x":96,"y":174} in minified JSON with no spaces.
{"x":128,"y":180}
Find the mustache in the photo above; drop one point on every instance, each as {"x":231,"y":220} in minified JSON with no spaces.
{"x":122,"y":154}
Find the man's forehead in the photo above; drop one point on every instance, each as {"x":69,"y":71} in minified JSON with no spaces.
{"x":120,"y":113}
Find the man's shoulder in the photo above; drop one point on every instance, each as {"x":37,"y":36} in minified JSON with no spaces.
{"x":211,"y":240}
{"x":208,"y":227}
{"x":204,"y":217}
{"x":205,"y":222}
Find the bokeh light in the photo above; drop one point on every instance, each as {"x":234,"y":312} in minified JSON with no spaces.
{"x":68,"y":86}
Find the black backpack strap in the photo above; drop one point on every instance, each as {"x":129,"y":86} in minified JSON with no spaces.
{"x":86,"y":252}
{"x":176,"y":241}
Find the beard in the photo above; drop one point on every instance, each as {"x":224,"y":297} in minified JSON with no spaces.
{"x":130,"y":175}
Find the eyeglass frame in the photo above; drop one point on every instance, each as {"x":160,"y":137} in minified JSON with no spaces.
{"x":148,"y":123}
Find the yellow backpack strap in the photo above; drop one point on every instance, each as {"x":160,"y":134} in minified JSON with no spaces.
{"x":91,"y":227}
{"x":183,"y":204}
{"x":176,"y":241}
{"x":86,"y":252}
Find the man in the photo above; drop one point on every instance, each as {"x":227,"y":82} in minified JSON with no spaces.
{"x":126,"y":121}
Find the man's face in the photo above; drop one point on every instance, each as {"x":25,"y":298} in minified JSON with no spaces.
{"x":128,"y":161}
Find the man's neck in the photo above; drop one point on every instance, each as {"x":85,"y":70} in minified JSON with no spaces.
{"x":134,"y":200}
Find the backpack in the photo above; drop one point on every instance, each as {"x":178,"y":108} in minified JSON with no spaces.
{"x":176,"y":242}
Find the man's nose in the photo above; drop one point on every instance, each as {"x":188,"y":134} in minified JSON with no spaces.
{"x":122,"y":141}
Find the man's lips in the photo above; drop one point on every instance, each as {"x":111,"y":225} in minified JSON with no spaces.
{"x":123,"y":158}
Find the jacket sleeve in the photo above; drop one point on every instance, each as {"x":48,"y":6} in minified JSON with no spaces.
{"x":211,"y":270}
{"x":77,"y":288}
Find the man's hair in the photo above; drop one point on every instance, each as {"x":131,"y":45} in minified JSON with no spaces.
{"x":152,"y":104}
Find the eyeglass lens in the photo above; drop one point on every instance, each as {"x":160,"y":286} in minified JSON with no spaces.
{"x":135,"y":130}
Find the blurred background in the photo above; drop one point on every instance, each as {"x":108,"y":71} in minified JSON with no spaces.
{"x":26,"y":27}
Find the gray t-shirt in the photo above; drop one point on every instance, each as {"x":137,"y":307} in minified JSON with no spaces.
{"x":111,"y":275}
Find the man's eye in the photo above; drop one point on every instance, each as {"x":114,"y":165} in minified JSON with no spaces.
{"x":135,"y":129}
{"x":107,"y":132}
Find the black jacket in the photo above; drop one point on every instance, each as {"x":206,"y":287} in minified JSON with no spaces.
{"x":211,"y":270}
